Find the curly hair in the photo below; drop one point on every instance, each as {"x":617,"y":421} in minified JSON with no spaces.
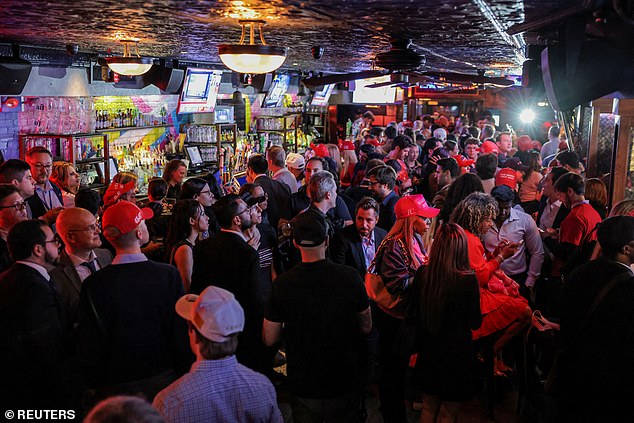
{"x":473,"y":210}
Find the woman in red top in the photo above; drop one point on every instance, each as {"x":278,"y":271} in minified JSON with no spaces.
{"x":503,"y":309}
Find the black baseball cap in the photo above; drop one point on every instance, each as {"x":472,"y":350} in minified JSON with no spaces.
{"x":309,"y":229}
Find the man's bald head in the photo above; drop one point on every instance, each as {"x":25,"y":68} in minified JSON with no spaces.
{"x":78,"y":229}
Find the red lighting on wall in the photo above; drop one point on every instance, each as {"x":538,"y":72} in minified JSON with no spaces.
{"x":11,"y":102}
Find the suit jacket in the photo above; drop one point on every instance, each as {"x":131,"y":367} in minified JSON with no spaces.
{"x":31,"y":339}
{"x":228,"y":262}
{"x":69,"y":284}
{"x":37,"y":207}
{"x":279,"y":198}
{"x":347,"y":249}
{"x":386,"y":215}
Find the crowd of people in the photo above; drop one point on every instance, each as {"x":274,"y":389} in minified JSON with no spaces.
{"x":192,"y":297}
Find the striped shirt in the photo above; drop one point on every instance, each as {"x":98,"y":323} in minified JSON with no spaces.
{"x":219,"y":391}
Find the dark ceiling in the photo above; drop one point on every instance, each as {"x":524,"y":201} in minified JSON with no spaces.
{"x":454,"y":35}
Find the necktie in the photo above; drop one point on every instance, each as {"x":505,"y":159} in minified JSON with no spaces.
{"x":90,"y":265}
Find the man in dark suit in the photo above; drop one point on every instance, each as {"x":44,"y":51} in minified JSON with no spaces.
{"x":228,"y":262}
{"x":31,"y":326}
{"x":80,"y":257}
{"x":12,"y":211}
{"x":355,"y":245}
{"x":279,"y":194}
{"x":596,"y":327}
{"x":47,"y":195}
{"x":382,"y":180}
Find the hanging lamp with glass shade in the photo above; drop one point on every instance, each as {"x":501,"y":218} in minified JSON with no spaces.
{"x":251,"y":58}
{"x":128,"y":64}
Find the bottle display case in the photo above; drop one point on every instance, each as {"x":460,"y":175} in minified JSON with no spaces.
{"x":87,"y":153}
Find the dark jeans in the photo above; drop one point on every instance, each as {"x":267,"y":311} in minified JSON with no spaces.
{"x":346,"y":408}
{"x":391,"y":382}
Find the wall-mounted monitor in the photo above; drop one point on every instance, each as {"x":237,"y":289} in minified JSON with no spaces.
{"x":195,"y":158}
{"x":275,"y":95}
{"x":200,"y":91}
{"x":380,"y":95}
{"x":321,"y":97}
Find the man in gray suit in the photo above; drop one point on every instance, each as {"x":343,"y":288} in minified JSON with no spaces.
{"x":80,"y":257}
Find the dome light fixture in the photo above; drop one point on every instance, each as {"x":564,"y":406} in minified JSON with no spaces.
{"x":251,"y":58}
{"x":127,"y":64}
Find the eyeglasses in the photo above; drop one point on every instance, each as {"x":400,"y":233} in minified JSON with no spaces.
{"x":56,"y":240}
{"x":90,"y":228}
{"x":245,"y":210}
{"x":18,"y":206}
{"x":43,"y":166}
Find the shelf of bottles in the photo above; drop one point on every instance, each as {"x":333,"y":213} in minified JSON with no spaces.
{"x":146,"y":162}
{"x":112,"y":114}
{"x":315,"y":121}
{"x":206,"y":138}
{"x":279,"y":130}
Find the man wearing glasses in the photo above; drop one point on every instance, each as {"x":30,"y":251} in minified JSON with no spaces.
{"x":382,"y":181}
{"x":31,"y":325}
{"x":229,"y":262}
{"x":12,"y":211}
{"x":81,"y":256}
{"x":47,"y":195}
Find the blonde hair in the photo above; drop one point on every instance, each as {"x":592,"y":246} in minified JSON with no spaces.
{"x":333,"y":150}
{"x":60,"y":174}
{"x":349,"y":157}
{"x":623,"y":208}
{"x":403,"y":228}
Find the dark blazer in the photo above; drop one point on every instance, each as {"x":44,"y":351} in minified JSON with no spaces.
{"x":346,"y":247}
{"x":31,"y":339}
{"x":69,"y":284}
{"x":279,"y":198}
{"x":37,"y":207}
{"x":228,"y":262}
{"x":561,"y":214}
{"x":386,"y":215}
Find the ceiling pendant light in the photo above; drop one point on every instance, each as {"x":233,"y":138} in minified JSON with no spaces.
{"x":128,"y":64}
{"x":251,"y":58}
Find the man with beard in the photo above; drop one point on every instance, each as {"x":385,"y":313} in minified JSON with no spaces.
{"x":12,"y":210}
{"x":31,"y":325}
{"x":229,"y":262}
{"x":355,"y":245}
{"x":382,"y":180}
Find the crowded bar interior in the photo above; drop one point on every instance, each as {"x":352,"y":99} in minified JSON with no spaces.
{"x":230,"y":164}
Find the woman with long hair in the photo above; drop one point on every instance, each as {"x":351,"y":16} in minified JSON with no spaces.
{"x":174,"y":173}
{"x":503,"y":309}
{"x":198,"y":189}
{"x":397,"y":259}
{"x":67,"y":179}
{"x":188,"y":221}
{"x":529,"y":188}
{"x":458,"y":191}
{"x":447,"y":307}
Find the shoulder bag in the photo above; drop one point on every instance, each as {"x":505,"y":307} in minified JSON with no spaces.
{"x":393,"y":305}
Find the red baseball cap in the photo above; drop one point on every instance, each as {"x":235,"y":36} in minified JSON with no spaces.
{"x":320,"y":150}
{"x":115,"y":191}
{"x":373,"y":141}
{"x":489,"y":147}
{"x":347,"y":145}
{"x":462,"y":161}
{"x":506,"y":176}
{"x":414,"y":205}
{"x":125,"y":216}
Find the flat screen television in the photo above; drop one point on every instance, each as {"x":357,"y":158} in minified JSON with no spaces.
{"x":321,"y":97}
{"x":275,"y":95}
{"x":200,"y":91}
{"x":381,"y":95}
{"x":195,"y":158}
{"x":112,"y":165}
